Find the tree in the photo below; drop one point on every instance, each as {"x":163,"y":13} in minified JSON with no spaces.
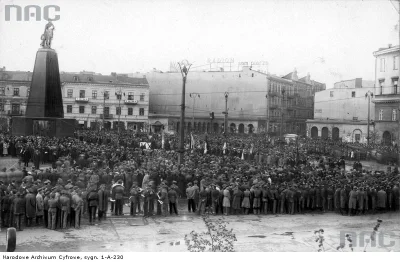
{"x":217,"y":238}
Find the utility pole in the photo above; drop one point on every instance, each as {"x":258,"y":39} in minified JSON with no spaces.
{"x":267,"y":114}
{"x":194,"y":95}
{"x":283,"y":104}
{"x":119,"y":96}
{"x":184,"y":72}
{"x":226,"y":113}
{"x":369,"y":94}
{"x":104,"y":108}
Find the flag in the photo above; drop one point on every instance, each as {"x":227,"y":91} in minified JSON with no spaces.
{"x":243,"y":154}
{"x":205,"y":147}
{"x":251,"y":149}
{"x":224,"y":148}
{"x":162,"y":140}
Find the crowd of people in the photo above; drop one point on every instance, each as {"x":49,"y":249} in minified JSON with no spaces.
{"x":95,"y":173}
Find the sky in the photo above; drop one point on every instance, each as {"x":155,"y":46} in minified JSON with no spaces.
{"x":331,"y":40}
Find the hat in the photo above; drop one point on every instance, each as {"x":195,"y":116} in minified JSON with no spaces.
{"x":47,"y":181}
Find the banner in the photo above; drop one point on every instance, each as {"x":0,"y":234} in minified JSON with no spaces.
{"x":162,"y":140}
{"x":224,"y":148}
{"x":205,"y":147}
{"x":192,"y":142}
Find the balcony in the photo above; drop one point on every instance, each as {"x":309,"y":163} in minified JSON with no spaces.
{"x":106,"y":116}
{"x":15,"y":112}
{"x":81,"y":99}
{"x":273,"y":106}
{"x":131,"y":102}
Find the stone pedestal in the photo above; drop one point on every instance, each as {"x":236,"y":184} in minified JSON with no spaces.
{"x":44,"y":111}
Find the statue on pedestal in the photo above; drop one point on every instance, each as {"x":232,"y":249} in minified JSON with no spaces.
{"x":47,"y":36}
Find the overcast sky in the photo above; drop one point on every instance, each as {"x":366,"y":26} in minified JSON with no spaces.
{"x":333,"y":40}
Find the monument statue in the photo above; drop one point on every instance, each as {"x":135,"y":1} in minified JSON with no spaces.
{"x":47,"y":36}
{"x":44,"y":109}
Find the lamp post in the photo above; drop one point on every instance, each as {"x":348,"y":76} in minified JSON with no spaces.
{"x":267,"y":114}
{"x":194,"y":95}
{"x":226,"y":113}
{"x":119,"y":96}
{"x":369,"y":94}
{"x":105,"y":96}
{"x":283,"y":103}
{"x":184,"y":66}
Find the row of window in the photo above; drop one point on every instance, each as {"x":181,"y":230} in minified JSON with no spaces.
{"x":394,"y":114}
{"x":395,"y":63}
{"x":294,"y":113}
{"x":15,"y":91}
{"x":129,"y":96}
{"x":106,"y":110}
{"x":394,"y":87}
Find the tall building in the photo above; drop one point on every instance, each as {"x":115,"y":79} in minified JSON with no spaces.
{"x":255,"y":101}
{"x":92,"y":99}
{"x":14,"y":92}
{"x":387,"y":94}
{"x":341,"y":113}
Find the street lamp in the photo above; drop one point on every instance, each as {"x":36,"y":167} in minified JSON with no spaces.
{"x":369,"y":94}
{"x":184,"y":66}
{"x":226,"y":112}
{"x":194,"y":95}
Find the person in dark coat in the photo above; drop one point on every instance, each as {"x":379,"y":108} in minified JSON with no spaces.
{"x":381,"y":199}
{"x":30,"y":207}
{"x":118,"y":195}
{"x":103,"y":202}
{"x":93,"y":202}
{"x":26,"y":155}
{"x":19,"y":210}
{"x":172,"y":197}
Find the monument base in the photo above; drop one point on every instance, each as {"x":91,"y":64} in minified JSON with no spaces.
{"x":42,"y":126}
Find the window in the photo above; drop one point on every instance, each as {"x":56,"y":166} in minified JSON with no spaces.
{"x":2,"y":91}
{"x":142,"y":97}
{"x":81,"y":109}
{"x":382,"y":65}
{"x":16,"y":91}
{"x":381,"y":83}
{"x":90,"y":79}
{"x":130,"y":96}
{"x":94,"y":94}
{"x":380,"y":114}
{"x":394,"y":114}
{"x":395,"y":86}
{"x":130,"y":111}
{"x":396,"y":62}
{"x":15,"y":108}
{"x":141,"y":111}
{"x":118,"y":95}
{"x":27,"y":92}
{"x":331,"y":94}
{"x":70,"y":92}
{"x":76,"y":79}
{"x":69,"y":108}
{"x":1,"y":107}
{"x":94,"y":109}
{"x":81,"y":93}
{"x":107,"y":94}
{"x":353,"y":94}
{"x":118,"y":110}
{"x":106,"y":111}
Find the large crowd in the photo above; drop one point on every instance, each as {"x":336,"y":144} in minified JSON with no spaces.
{"x":93,"y":173}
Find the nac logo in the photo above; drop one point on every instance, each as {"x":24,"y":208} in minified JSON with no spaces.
{"x":34,"y":12}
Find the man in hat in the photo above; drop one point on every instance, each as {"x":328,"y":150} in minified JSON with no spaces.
{"x":52,"y":213}
{"x":103,"y":202}
{"x":118,"y":195}
{"x":65,"y":208}
{"x":19,"y":210}
{"x":39,"y":207}
{"x":93,"y":202}
{"x":77,"y":205}
{"x":164,"y":199}
{"x":133,"y":199}
{"x":190,"y":192}
{"x":353,"y":201}
{"x":30,"y":202}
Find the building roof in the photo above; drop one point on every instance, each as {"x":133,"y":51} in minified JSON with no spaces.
{"x":386,"y":50}
{"x":16,"y":75}
{"x":94,"y":78}
{"x":83,"y":77}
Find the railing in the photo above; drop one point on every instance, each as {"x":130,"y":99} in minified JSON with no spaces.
{"x":82,"y":99}
{"x":131,"y":102}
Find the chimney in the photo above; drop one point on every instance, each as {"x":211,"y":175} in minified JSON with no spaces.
{"x":390,"y":45}
{"x":114,"y":74}
{"x":294,"y":75}
{"x":308,"y":78}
